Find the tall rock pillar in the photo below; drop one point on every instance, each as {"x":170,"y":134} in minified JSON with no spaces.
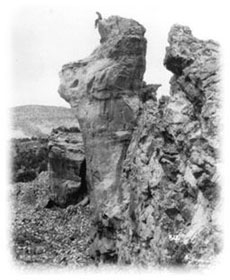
{"x":103,"y":91}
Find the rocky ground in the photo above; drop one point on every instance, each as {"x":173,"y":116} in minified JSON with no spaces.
{"x":51,"y":236}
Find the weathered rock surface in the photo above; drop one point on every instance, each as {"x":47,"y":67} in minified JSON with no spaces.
{"x":151,"y":164}
{"x":103,"y":91}
{"x":171,"y":179}
{"x":67,"y":169}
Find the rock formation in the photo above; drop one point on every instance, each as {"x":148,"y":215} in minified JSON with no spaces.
{"x":171,"y":176}
{"x":103,"y":91}
{"x":151,"y":165}
{"x":67,"y":169}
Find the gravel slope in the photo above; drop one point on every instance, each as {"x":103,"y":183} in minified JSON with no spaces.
{"x":51,"y":236}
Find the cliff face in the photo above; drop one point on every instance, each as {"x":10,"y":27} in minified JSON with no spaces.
{"x":171,"y":177}
{"x":197,"y":84}
{"x":151,"y":165}
{"x":66,"y":166}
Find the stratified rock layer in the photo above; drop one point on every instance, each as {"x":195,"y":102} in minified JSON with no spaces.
{"x":151,"y":164}
{"x":67,"y":170}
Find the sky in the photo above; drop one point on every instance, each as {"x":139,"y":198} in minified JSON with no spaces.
{"x":46,"y":36}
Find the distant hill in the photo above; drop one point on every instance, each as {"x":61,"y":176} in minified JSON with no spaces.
{"x":39,"y":120}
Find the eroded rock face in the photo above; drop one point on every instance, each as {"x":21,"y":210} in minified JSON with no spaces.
{"x":151,"y":164}
{"x":196,"y":78}
{"x":67,"y":168}
{"x":103,"y":91}
{"x":170,"y":179}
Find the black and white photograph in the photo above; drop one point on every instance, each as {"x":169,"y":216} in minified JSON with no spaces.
{"x":115,"y":135}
